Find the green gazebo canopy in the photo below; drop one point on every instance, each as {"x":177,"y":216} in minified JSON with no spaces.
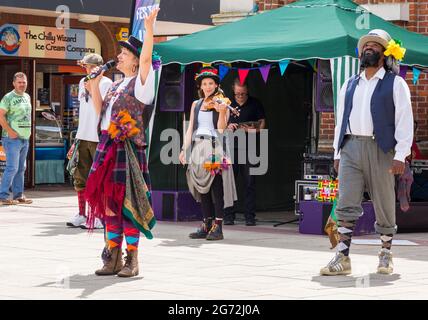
{"x":302,"y":30}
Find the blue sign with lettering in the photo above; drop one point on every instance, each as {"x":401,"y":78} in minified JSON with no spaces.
{"x":142,"y":9}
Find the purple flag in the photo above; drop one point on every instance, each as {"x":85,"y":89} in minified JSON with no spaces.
{"x":265,"y":72}
{"x":403,"y":71}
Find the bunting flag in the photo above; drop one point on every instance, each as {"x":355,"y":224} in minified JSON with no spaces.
{"x":403,"y":71}
{"x":206,"y":65}
{"x":243,"y":73}
{"x":265,"y":72}
{"x":182,"y":68}
{"x":222,"y":71}
{"x":416,"y":74}
{"x":342,"y":69}
{"x":283,"y":66}
{"x":313,"y":63}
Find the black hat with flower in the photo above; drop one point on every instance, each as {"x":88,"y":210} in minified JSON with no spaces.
{"x":207,"y":72}
{"x":135,"y":46}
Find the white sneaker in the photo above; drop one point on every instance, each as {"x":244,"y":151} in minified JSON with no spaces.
{"x":339,"y":265}
{"x":76,"y":221}
{"x":97,"y":224}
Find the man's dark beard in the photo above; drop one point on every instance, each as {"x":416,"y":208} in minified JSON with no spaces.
{"x":370,"y":60}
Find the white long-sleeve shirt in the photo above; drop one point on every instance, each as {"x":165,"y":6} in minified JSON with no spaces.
{"x":360,"y":120}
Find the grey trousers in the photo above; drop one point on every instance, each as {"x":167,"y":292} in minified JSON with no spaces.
{"x":365,"y":167}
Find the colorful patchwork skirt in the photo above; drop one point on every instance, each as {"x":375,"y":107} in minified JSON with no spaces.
{"x":119,"y":180}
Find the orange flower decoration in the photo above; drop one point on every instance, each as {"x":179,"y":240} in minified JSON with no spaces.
{"x":215,"y":165}
{"x":122,"y":126}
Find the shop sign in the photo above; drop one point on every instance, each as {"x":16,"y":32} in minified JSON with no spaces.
{"x":47,"y":42}
{"x":123,"y":34}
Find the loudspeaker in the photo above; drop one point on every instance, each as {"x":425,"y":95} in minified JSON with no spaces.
{"x":175,"y":206}
{"x":324,"y":89}
{"x":314,"y":215}
{"x":172,"y":89}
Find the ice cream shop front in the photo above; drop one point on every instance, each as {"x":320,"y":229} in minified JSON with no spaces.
{"x":47,"y":55}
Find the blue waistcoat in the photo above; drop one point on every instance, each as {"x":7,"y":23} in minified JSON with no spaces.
{"x":382,"y":109}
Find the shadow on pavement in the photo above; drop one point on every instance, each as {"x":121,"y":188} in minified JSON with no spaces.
{"x":54,"y":229}
{"x":176,"y":235}
{"x":362,"y":281}
{"x":50,"y":191}
{"x":190,"y":243}
{"x":89,"y":283}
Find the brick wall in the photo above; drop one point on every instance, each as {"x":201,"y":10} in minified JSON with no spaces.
{"x":418,"y":22}
{"x":272,"y":4}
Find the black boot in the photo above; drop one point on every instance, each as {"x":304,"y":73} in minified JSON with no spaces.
{"x":216,"y":232}
{"x":202,"y":231}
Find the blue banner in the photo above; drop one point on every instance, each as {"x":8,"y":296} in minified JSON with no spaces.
{"x":141,"y":10}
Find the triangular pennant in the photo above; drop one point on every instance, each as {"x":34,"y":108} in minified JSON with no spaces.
{"x":313,"y":63}
{"x":265,"y":72}
{"x":403,"y":71}
{"x":206,"y":65}
{"x":283,"y":66}
{"x":229,"y":65}
{"x":222,"y":71}
{"x":243,"y":73}
{"x":416,"y":74}
{"x":182,"y":68}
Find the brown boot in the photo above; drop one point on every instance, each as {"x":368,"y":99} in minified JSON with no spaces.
{"x":113,"y":263}
{"x":216,"y":232}
{"x":131,"y":264}
{"x":202,"y":231}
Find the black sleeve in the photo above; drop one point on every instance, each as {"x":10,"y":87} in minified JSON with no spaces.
{"x":260,"y":111}
{"x":232,"y":118}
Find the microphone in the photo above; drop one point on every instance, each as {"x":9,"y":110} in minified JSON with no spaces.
{"x":110,"y":64}
{"x":233,"y":110}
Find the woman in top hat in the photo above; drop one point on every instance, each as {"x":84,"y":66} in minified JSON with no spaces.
{"x":118,"y":186}
{"x":209,"y":173}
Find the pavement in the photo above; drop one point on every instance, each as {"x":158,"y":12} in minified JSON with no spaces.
{"x":44,"y":259}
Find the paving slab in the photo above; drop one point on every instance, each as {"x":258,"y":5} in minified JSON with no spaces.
{"x":44,"y":259}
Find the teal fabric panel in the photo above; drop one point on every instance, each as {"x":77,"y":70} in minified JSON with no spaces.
{"x":49,"y":171}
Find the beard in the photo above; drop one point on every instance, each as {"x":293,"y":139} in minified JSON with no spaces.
{"x":370,"y":59}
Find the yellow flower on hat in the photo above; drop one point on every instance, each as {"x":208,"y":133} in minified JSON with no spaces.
{"x":394,"y":49}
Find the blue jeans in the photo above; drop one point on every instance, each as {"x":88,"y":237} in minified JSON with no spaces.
{"x":13,"y":176}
